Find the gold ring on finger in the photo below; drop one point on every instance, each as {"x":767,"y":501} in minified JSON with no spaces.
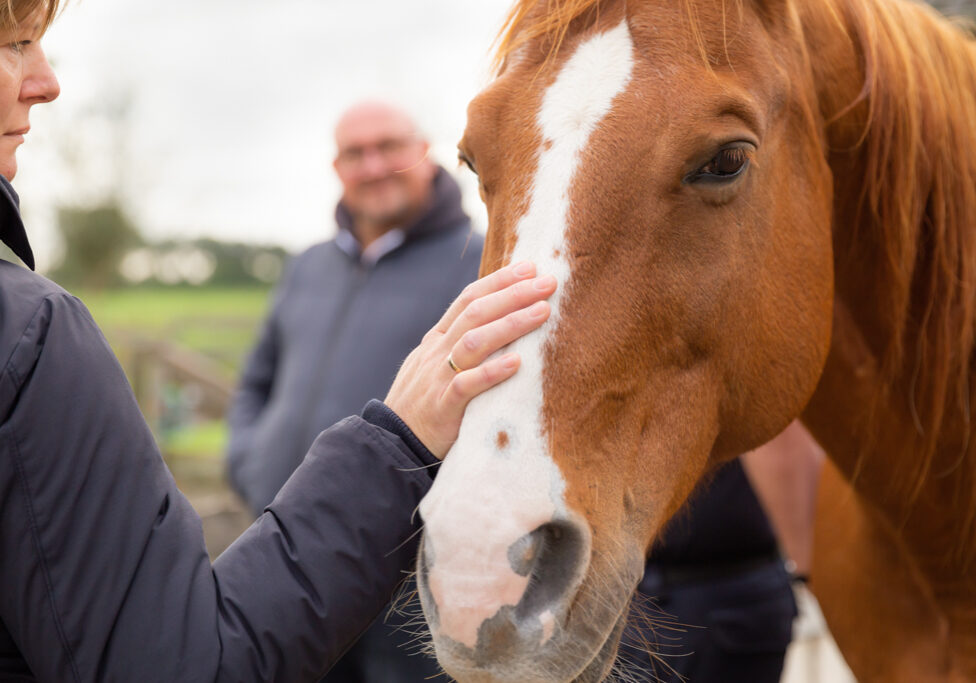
{"x":454,"y":366}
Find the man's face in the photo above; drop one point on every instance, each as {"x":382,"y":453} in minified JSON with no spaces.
{"x":382,"y":164}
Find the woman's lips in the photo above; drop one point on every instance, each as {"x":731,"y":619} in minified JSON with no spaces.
{"x":17,"y":135}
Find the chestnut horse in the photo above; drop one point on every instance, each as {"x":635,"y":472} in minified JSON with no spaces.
{"x":757,"y":210}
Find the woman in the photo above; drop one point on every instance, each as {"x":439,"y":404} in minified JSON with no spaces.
{"x":103,"y":570}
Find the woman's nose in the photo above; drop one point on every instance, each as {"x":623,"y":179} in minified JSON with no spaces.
{"x":40,"y":84}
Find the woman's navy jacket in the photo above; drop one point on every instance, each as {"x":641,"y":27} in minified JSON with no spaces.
{"x":103,"y":570}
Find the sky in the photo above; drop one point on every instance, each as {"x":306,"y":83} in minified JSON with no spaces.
{"x":215,"y":118}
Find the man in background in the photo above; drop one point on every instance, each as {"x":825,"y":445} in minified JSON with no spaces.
{"x":343,"y":317}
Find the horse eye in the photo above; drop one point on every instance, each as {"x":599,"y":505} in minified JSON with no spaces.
{"x":463,"y":159}
{"x":727,"y":164}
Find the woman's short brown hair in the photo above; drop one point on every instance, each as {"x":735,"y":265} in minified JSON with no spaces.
{"x":13,"y":13}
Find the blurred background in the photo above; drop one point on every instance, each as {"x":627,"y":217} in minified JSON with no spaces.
{"x":190,"y":154}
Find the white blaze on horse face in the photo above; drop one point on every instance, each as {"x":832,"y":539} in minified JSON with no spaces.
{"x":499,"y":482}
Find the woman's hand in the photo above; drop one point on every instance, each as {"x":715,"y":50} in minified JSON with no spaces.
{"x":429,"y":393}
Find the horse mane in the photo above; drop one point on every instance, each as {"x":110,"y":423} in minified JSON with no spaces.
{"x":917,"y":211}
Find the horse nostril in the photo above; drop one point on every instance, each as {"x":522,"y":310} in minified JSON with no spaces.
{"x":523,"y":553}
{"x":551,"y":556}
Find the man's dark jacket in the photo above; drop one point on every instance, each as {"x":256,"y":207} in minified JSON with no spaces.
{"x":339,"y":328}
{"x":103,"y":571}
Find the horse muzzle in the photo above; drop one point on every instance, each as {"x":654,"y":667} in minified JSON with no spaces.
{"x":498,"y":604}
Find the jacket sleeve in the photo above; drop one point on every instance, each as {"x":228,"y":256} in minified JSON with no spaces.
{"x":102,"y":561}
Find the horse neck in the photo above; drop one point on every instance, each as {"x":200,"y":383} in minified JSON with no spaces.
{"x":896,"y":94}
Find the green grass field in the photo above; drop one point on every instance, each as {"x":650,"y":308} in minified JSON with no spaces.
{"x":221,"y":323}
{"x":155,"y":308}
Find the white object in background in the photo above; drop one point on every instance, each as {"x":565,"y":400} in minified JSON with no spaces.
{"x":813,"y":656}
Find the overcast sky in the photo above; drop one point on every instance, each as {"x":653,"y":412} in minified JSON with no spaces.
{"x":214,"y":117}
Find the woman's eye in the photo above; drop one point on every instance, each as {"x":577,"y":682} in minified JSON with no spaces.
{"x":19,"y":45}
{"x":727,"y":164}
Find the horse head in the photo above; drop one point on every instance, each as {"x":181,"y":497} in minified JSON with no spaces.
{"x":666,"y":161}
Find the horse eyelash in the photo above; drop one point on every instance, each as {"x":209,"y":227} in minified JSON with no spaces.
{"x":463,"y":159}
{"x":748,"y":158}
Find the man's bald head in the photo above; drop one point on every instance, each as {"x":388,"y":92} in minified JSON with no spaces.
{"x":381,"y":159}
{"x":374,"y":113}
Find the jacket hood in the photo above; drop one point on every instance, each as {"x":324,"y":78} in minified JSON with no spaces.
{"x":443,"y":212}
{"x":12,"y":232}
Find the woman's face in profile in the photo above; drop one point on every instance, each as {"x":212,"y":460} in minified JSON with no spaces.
{"x":26,"y":79}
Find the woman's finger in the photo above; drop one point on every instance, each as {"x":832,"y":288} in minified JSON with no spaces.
{"x":493,"y":282}
{"x":427,"y":393}
{"x":477,"y":344}
{"x":469,"y":383}
{"x":497,"y":305}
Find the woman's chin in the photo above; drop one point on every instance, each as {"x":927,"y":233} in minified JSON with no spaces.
{"x":8,"y":168}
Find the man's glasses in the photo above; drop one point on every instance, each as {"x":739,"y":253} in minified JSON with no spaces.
{"x":390,"y":150}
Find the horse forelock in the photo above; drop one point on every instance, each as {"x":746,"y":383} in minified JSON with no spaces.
{"x":552,"y":21}
{"x":528,"y":20}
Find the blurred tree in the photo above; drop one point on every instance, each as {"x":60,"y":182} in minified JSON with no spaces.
{"x":244,"y":264}
{"x":203,"y":261}
{"x":956,"y":8}
{"x":95,"y":240}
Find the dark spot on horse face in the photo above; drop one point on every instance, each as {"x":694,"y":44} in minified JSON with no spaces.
{"x":556,"y":253}
{"x":547,"y":145}
{"x":501,"y":440}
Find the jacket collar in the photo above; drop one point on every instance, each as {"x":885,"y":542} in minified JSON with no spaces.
{"x":12,"y":231}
